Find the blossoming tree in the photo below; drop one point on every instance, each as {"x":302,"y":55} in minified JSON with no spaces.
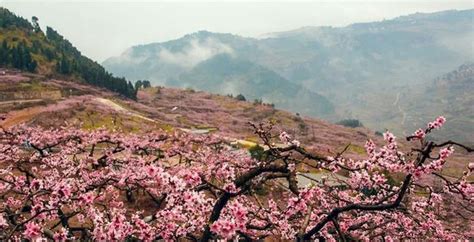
{"x":67,"y":183}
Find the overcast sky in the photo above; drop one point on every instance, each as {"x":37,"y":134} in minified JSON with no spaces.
{"x":101,"y":29}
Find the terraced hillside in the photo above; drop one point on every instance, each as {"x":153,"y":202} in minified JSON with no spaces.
{"x":25,"y":100}
{"x":172,"y":110}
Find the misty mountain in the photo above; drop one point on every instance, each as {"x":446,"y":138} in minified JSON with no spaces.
{"x":360,"y":68}
{"x":451,"y":95}
{"x":412,"y":48}
{"x":159,"y":62}
{"x":217,"y":63}
{"x":225,"y":74}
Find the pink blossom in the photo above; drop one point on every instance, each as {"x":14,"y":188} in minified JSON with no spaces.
{"x":389,"y":137}
{"x":35,"y":185}
{"x":438,"y":123}
{"x":441,"y":120}
{"x":420,"y":134}
{"x":223,"y":228}
{"x":88,"y":198}
{"x":231,"y":188}
{"x":32,"y":231}
{"x":446,"y":152}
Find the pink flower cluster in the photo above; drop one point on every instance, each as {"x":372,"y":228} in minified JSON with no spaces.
{"x":235,"y":220}
{"x":167,"y":185}
{"x":420,"y":134}
{"x":438,"y":123}
{"x":32,"y":230}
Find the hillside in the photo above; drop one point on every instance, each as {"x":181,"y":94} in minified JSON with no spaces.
{"x":26,"y":47}
{"x":450,"y":94}
{"x":360,"y":68}
{"x":34,"y":99}
{"x":37,"y":100}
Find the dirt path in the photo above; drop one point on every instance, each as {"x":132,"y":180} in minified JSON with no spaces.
{"x":117,"y":107}
{"x":397,"y":99}
{"x":24,"y":115}
{"x":20,"y":116}
{"x":397,"y":104}
{"x":21,"y":101}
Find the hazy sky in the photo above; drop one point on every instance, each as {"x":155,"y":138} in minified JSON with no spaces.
{"x":101,"y":29}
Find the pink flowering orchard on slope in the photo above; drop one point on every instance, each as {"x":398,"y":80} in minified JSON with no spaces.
{"x":67,"y":183}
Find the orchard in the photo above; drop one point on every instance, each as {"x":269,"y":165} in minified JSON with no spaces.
{"x":63,"y":184}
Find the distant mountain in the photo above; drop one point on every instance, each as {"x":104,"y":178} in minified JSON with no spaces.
{"x":217,"y":63}
{"x":451,"y":95}
{"x":412,"y":48}
{"x":358,"y":68}
{"x":26,"y":47}
{"x":161,"y":61}
{"x":225,"y":74}
{"x":457,"y":83}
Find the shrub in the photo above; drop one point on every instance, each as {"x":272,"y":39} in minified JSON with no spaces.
{"x":258,"y":101}
{"x":352,"y":123}
{"x":256,"y":152}
{"x":240,"y":97}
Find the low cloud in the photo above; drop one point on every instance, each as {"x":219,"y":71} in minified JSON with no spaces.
{"x":130,"y":57}
{"x":195,"y":52}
